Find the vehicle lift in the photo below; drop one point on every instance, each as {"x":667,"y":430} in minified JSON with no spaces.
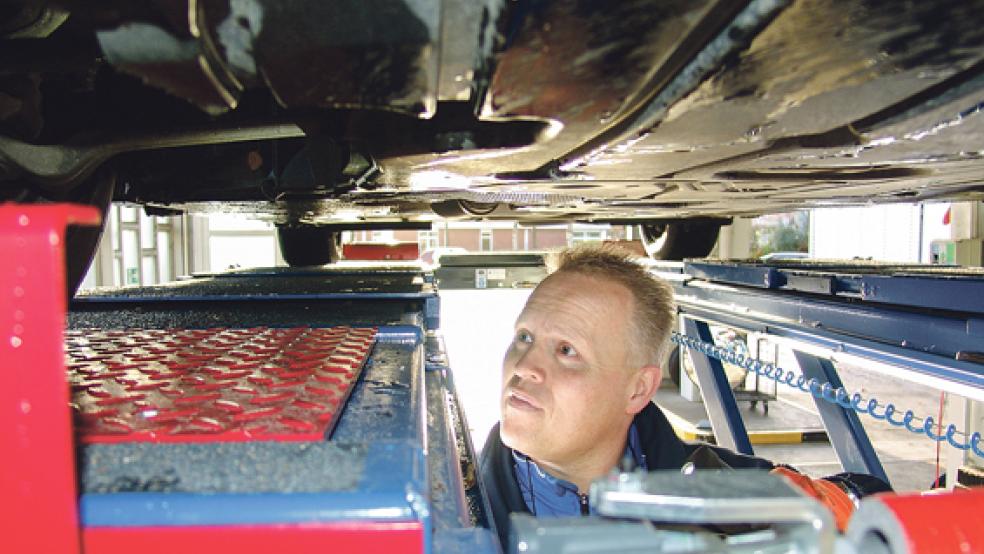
{"x":315,"y":410}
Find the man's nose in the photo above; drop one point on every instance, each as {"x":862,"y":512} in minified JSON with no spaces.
{"x":530,"y":365}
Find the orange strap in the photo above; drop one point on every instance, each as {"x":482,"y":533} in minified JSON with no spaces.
{"x":829,"y":494}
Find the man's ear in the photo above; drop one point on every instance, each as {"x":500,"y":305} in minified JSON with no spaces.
{"x":642,"y":388}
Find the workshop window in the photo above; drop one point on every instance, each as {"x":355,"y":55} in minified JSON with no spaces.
{"x":427,"y":240}
{"x":164,"y":271}
{"x":385,"y":235}
{"x":593,"y":235}
{"x":130,"y":256}
{"x":128,"y":214}
{"x":137,"y":249}
{"x":238,"y":242}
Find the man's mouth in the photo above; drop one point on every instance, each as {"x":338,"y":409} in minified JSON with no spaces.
{"x":521,"y":401}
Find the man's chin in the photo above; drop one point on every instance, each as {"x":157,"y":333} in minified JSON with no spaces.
{"x":516,"y":436}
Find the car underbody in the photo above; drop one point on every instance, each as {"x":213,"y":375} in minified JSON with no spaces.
{"x":394,"y":112}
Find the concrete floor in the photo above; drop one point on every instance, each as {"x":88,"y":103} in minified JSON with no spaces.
{"x":478,"y":325}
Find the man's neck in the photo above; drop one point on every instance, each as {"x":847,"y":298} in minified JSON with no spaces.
{"x":588,"y":467}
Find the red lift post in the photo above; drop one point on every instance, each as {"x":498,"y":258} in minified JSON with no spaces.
{"x":38,"y":496}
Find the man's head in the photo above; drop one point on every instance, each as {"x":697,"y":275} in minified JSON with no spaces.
{"x":585,"y":356}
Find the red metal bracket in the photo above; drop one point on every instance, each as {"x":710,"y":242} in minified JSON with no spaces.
{"x":38,"y":498}
{"x":314,"y":537}
{"x":948,"y":522}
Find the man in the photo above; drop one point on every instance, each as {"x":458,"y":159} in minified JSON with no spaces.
{"x":577,"y":384}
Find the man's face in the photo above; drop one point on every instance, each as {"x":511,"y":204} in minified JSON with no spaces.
{"x":566,"y":378}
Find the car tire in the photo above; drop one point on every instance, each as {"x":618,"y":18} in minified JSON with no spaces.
{"x":458,"y":208}
{"x":307,"y":245}
{"x":673,"y":366}
{"x":81,"y":241}
{"x":677,"y":240}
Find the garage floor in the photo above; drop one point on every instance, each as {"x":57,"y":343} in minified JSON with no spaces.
{"x":477,"y":326}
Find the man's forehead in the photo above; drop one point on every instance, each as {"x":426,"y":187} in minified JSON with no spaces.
{"x":571,"y":284}
{"x":585,"y":298}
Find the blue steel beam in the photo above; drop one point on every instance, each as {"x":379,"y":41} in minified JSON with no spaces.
{"x":719,"y":399}
{"x":898,"y":285}
{"x":919,"y":334}
{"x":760,"y":276}
{"x":423,"y":296}
{"x":846,"y":433}
{"x":963,"y":294}
{"x":958,"y":377}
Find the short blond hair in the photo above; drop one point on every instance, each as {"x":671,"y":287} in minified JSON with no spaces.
{"x":655,"y":311}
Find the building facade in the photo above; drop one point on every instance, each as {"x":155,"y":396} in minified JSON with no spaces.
{"x":496,"y":236}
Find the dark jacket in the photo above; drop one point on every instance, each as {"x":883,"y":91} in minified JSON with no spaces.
{"x":660,"y":444}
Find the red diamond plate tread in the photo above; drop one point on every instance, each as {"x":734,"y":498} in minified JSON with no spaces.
{"x":210,"y":385}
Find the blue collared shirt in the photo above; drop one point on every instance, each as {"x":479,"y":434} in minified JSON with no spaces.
{"x":548,"y":496}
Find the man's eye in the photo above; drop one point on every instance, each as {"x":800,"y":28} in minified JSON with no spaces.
{"x":524,"y":336}
{"x":567,"y":350}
